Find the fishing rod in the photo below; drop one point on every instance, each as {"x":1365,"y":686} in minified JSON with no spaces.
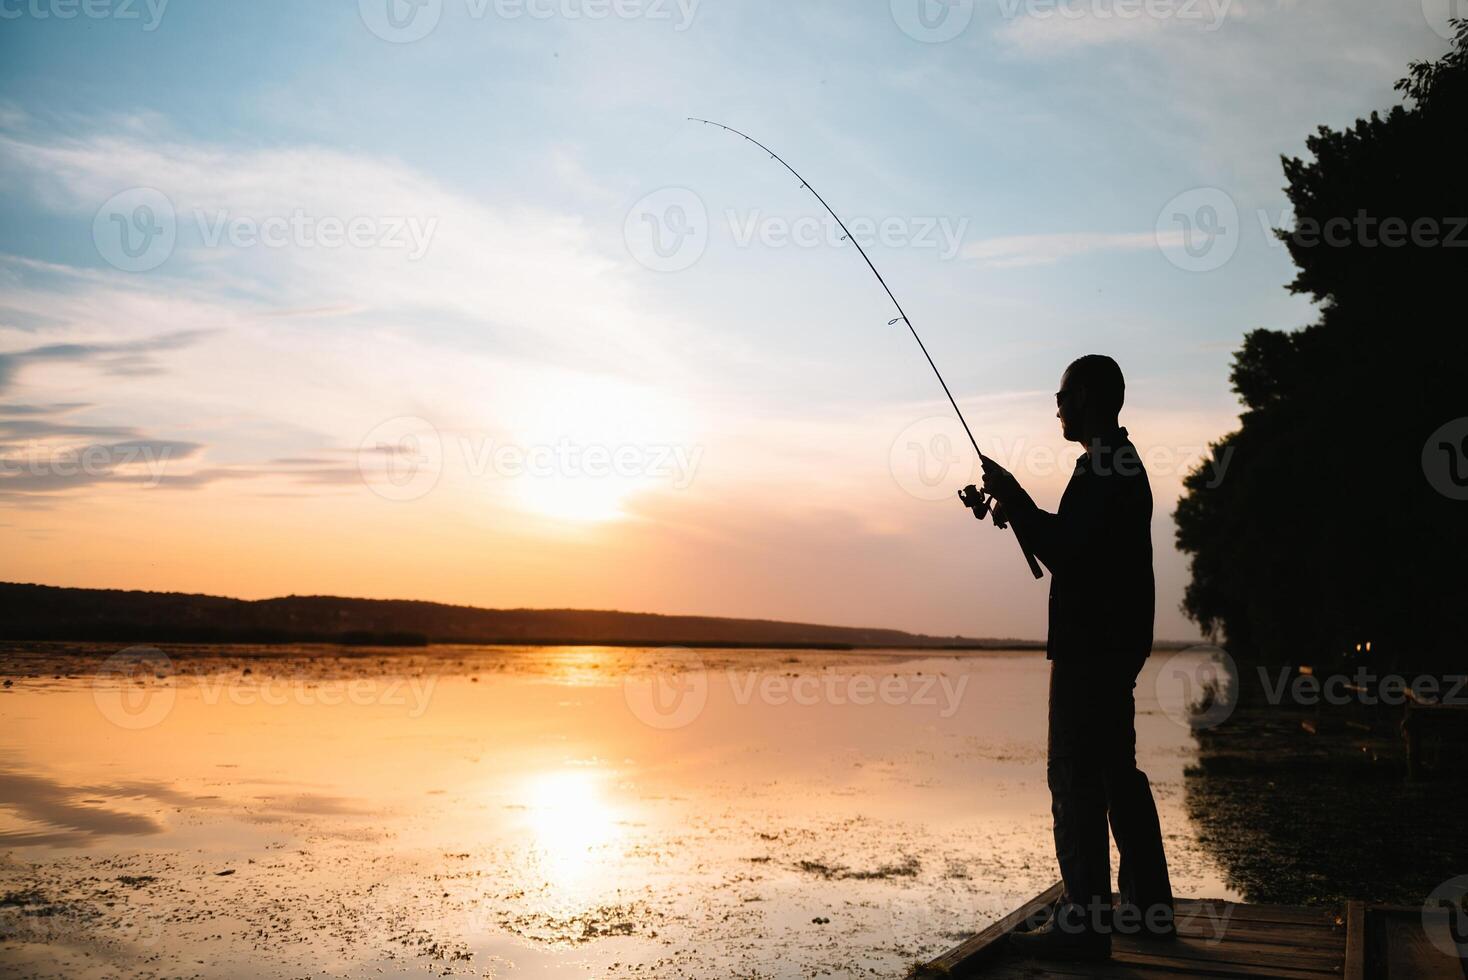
{"x":972,"y":497}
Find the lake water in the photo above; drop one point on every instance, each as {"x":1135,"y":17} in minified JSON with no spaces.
{"x":530,"y":812}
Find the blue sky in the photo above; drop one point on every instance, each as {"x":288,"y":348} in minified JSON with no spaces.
{"x":508,"y":172}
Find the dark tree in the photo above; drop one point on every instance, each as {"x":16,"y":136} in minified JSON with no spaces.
{"x":1326,"y":530}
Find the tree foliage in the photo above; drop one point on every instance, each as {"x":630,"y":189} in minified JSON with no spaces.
{"x":1324,"y":530}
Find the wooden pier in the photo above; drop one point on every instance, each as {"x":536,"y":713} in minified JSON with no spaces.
{"x":1228,"y":939}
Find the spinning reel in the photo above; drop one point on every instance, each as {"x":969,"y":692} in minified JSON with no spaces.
{"x":983,"y":505}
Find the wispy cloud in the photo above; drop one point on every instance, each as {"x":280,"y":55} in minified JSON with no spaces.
{"x":26,"y":320}
{"x":47,"y":469}
{"x":515,"y":321}
{"x":532,"y":277}
{"x":131,"y":358}
{"x":56,"y":408}
{"x":1022,"y":250}
{"x":43,"y":428}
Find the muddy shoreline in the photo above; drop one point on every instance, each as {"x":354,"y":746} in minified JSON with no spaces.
{"x":222,"y":812}
{"x":1314,"y":806}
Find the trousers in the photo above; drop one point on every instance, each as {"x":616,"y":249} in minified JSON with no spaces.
{"x":1094,"y":780}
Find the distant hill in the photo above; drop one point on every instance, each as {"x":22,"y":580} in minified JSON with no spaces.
{"x":41,"y":612}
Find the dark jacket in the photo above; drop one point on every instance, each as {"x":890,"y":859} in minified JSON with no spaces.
{"x":1098,"y":548}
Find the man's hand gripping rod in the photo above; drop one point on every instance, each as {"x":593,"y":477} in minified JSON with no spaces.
{"x":972,"y":498}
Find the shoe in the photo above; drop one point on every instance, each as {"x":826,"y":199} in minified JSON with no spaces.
{"x":1039,"y":918}
{"x":1051,"y":942}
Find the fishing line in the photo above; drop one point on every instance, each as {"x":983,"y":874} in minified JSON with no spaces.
{"x":981,"y":507}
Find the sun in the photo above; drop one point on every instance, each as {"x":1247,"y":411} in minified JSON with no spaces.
{"x":577,"y":499}
{"x":581,"y":455}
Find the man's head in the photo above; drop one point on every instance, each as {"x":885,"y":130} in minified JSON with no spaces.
{"x":1090,"y":397}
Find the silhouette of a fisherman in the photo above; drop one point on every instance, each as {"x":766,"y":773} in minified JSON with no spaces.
{"x":1098,"y":547}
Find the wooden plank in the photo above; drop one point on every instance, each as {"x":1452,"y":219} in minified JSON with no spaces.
{"x":1409,"y":953}
{"x":1325,"y":937}
{"x":1005,"y":969}
{"x":1226,"y":920}
{"x":1233,"y":951}
{"x":1355,"y":941}
{"x":1015,"y":969}
{"x":1009,"y":967}
{"x":1203,"y":907}
{"x":1217,"y":968}
{"x":973,"y":950}
{"x":1216,"y":939}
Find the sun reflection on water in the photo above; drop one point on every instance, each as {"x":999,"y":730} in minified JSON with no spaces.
{"x":572,"y":824}
{"x":579,"y":666}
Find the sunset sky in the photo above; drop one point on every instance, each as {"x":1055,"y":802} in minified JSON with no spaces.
{"x":296,"y":300}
